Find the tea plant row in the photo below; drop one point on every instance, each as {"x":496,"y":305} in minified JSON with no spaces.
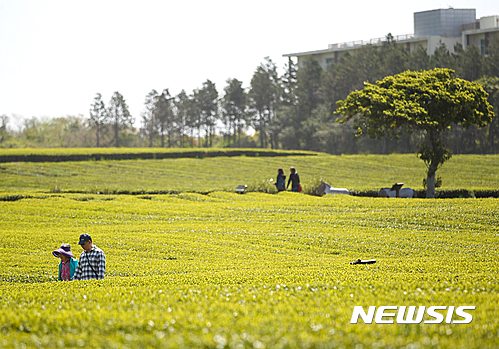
{"x":253,"y":270}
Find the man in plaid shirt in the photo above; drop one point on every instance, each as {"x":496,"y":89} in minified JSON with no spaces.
{"x":92,"y":264}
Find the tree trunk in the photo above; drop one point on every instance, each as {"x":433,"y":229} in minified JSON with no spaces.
{"x":434,"y":155}
{"x":116,"y":141}
{"x":261,"y":131}
{"x":432,"y":169}
{"x":430,"y":182}
{"x":491,"y":138}
{"x":237,"y":133}
{"x":151,"y":135}
{"x":97,"y":128}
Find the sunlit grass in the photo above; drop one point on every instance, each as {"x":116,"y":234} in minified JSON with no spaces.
{"x":253,"y":270}
{"x":355,"y":172}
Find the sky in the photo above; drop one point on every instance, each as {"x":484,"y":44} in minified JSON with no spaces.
{"x":55,"y":55}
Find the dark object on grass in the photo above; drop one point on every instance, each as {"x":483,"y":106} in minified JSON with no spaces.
{"x":365,"y":261}
{"x":396,"y":192}
{"x":241,"y":188}
{"x":397,"y":187}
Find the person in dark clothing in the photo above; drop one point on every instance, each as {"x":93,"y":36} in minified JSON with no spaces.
{"x":92,"y":263}
{"x":294,"y":179}
{"x":281,"y":180}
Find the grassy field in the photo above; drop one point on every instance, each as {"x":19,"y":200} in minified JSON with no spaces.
{"x":223,"y":270}
{"x":355,"y":172}
{"x":256,"y":270}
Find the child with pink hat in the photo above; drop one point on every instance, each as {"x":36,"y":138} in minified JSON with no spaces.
{"x":68,"y":263}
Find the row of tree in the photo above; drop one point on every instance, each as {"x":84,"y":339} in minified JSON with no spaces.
{"x":294,"y":110}
{"x":311,"y":120}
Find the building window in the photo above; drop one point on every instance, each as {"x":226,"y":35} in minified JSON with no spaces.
{"x":482,"y":46}
{"x":329,"y":61}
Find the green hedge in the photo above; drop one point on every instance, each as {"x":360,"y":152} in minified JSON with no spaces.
{"x":58,"y":156}
{"x":440,"y":194}
{"x":367,"y":193}
{"x":464,"y":193}
{"x":269,"y":188}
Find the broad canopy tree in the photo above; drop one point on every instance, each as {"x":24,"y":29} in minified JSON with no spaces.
{"x":427,"y":101}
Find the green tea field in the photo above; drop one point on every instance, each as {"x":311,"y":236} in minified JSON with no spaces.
{"x":355,"y":172}
{"x":224,"y":270}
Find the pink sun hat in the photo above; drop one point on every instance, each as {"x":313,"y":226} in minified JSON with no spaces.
{"x":65,"y":249}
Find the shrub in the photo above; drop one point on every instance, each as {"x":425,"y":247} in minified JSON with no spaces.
{"x":265,"y":186}
{"x":312,"y":187}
